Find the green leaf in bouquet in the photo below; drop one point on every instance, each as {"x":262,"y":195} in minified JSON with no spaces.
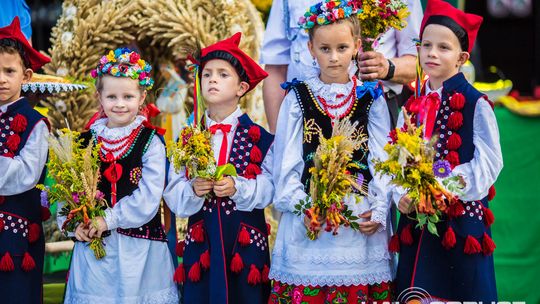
{"x":227,"y":169}
{"x":422,"y":219}
{"x":434,"y":218}
{"x":355,"y":226}
{"x":432,"y":228}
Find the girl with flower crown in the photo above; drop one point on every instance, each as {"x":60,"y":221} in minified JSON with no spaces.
{"x":354,"y":265}
{"x":137,"y":267}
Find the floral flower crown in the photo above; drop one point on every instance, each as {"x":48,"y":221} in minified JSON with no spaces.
{"x":124,"y":62}
{"x":329,"y":11}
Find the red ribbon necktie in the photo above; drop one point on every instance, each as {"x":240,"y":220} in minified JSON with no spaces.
{"x":224,"y":143}
{"x":427,"y":107}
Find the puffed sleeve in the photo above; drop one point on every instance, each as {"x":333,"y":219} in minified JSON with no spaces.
{"x":179,"y":194}
{"x":378,"y":129}
{"x":484,"y":168}
{"x":141,"y":206}
{"x":288,"y":163}
{"x":22,"y":172}
{"x":276,"y":47}
{"x":255,"y":193}
{"x":405,"y":39}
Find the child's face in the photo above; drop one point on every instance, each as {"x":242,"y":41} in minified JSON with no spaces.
{"x":220,"y":83}
{"x":12,"y":76}
{"x":440,"y":53}
{"x":333,"y":46}
{"x":120,"y":98}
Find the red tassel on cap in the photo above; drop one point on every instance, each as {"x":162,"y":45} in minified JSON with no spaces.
{"x":472,"y":246}
{"x":33,"y":232}
{"x":45,"y":214}
{"x":6,"y":263}
{"x":205,"y":259}
{"x":491,"y":193}
{"x":449,"y":239}
{"x":237,"y":264}
{"x":393,"y":245}
{"x":406,"y":235}
{"x":264,"y":274}
{"x":254,"y":276}
{"x":179,"y":274}
{"x":244,"y":238}
{"x":488,"y":246}
{"x":28,"y":262}
{"x":179,"y":249}
{"x":198,"y":233}
{"x":195,"y":272}
{"x":489,"y":218}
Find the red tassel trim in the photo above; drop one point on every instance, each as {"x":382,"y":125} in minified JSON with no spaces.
{"x":456,"y":210}
{"x":198,"y":233}
{"x":28,"y":262}
{"x":406,"y":235}
{"x":195,"y":273}
{"x":244,"y":238}
{"x":45,"y":214}
{"x":6,"y":263}
{"x":449,"y":239}
{"x":488,"y":246}
{"x":33,"y":232}
{"x":179,"y":249}
{"x":491,"y":193}
{"x":264,"y":274}
{"x":393,"y":245}
{"x":489,"y":218}
{"x":179,"y":274}
{"x":237,"y":264}
{"x":205,"y":260}
{"x":254,"y":276}
{"x":472,"y":246}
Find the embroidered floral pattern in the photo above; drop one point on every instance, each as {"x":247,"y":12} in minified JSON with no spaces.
{"x":135,"y":175}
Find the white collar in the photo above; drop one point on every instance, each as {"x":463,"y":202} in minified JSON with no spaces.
{"x":429,"y":90}
{"x":101,"y":129}
{"x":232,"y":119}
{"x":4,"y":108}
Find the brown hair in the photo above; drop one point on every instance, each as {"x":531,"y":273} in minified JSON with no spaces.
{"x":353,"y":22}
{"x":10,"y":46}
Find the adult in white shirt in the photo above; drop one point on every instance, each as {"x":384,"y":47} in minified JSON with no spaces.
{"x":285,"y":54}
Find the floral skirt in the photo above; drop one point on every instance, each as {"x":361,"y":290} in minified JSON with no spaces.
{"x":298,"y":294}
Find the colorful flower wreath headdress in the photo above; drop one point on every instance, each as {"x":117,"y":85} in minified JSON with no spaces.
{"x":124,"y":62}
{"x":329,"y":11}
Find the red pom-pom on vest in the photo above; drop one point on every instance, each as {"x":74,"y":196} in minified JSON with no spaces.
{"x":252,"y":170}
{"x":244,"y":237}
{"x":488,"y":246}
{"x":457,"y":102}
{"x":205,"y":260}
{"x":33,"y":232}
{"x":195,"y":272}
{"x":254,"y":133}
{"x":406,"y":235}
{"x":264,"y":274}
{"x":254,"y":276}
{"x":6,"y":263}
{"x":28,"y":262}
{"x":255,"y":155}
{"x":393,"y":245}
{"x":454,"y":142}
{"x":456,"y":210}
{"x":179,"y":249}
{"x":453,"y":158}
{"x":19,"y":123}
{"x":13,"y":142}
{"x":489,"y":218}
{"x":472,"y":245}
{"x":179,"y":274}
{"x":449,"y":239}
{"x":198,"y":233}
{"x":455,"y":121}
{"x":237,"y":264}
{"x":491,"y":193}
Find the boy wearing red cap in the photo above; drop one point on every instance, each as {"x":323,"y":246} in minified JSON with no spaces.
{"x":226,"y":257}
{"x":23,"y":153}
{"x":458,"y":265}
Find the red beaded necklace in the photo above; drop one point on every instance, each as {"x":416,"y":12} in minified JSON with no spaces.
{"x":125,"y":145}
{"x":326,"y":106}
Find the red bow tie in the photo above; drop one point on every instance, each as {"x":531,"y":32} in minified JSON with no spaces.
{"x":224,"y":143}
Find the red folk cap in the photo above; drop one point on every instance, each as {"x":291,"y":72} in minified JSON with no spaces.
{"x":228,"y":50}
{"x":13,"y":31}
{"x":464,"y":25}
